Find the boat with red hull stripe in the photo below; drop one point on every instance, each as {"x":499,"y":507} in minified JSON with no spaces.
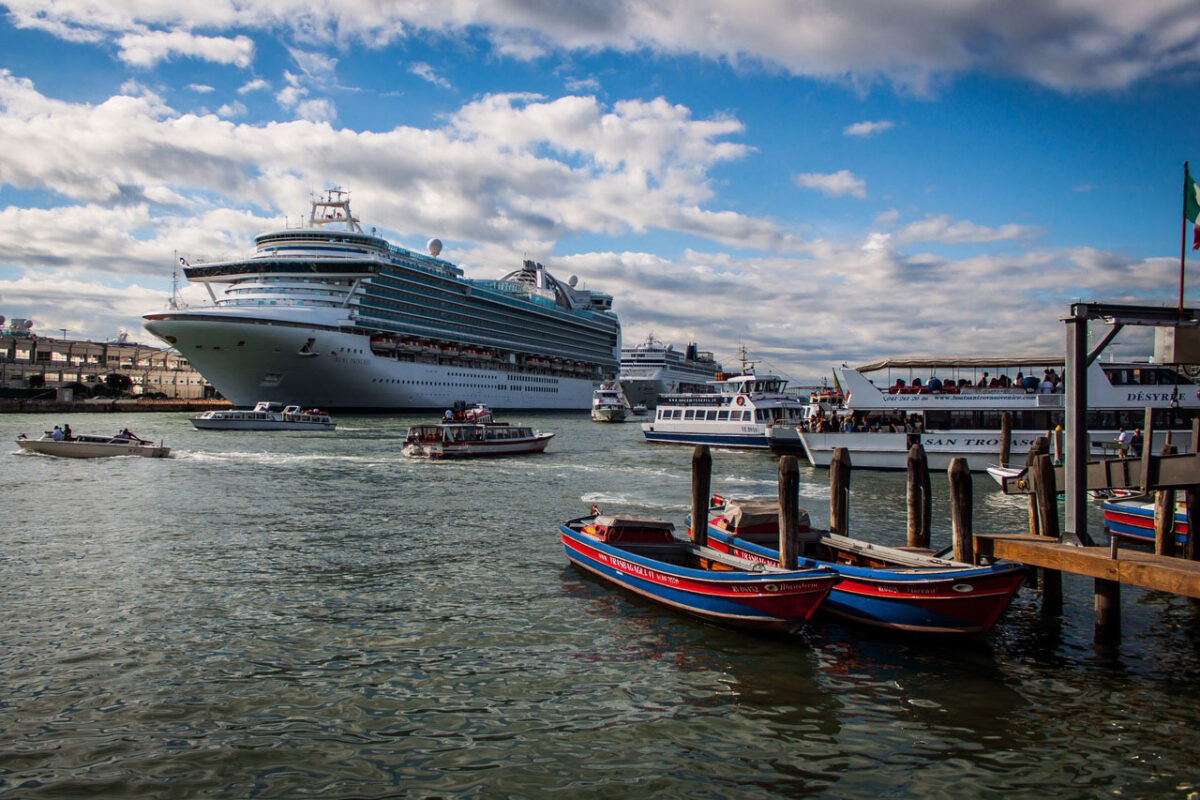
{"x":881,"y":586}
{"x":644,"y":557}
{"x":1133,"y":518}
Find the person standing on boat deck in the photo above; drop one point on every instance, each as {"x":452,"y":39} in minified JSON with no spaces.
{"x":983,"y":382}
{"x":58,"y":434}
{"x":1135,"y":444}
{"x":1123,"y":442}
{"x":67,"y":435}
{"x":1047,"y":385}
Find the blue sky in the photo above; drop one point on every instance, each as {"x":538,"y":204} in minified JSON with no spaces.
{"x":823,"y":182}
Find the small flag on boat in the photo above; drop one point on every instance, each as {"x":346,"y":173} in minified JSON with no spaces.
{"x":1191,"y":205}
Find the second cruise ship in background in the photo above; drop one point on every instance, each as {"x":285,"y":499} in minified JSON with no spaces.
{"x":329,"y":315}
{"x":653,"y":368}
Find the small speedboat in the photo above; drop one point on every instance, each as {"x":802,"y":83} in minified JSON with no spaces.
{"x":886,"y":587}
{"x":645,"y":557}
{"x":265,"y":416}
{"x":86,"y":445}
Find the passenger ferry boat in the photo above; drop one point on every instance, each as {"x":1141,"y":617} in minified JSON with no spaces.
{"x":330,"y":316}
{"x":473,"y":433}
{"x":737,"y":413}
{"x":608,"y":404}
{"x":265,"y":416}
{"x":954,"y":409}
{"x":653,"y":368}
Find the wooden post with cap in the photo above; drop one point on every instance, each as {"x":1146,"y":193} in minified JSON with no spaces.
{"x":961,"y":509}
{"x":701,"y":486}
{"x":839,"y":490}
{"x":919,"y":497}
{"x":789,"y":512}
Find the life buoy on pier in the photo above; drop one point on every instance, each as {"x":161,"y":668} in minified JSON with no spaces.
{"x":740,"y":400}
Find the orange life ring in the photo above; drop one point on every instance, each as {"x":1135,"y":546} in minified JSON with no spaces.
{"x":740,"y":400}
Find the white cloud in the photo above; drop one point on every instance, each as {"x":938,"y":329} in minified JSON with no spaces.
{"x":201,"y":88}
{"x":234,"y":109}
{"x":147,"y":49}
{"x":834,"y":184}
{"x":1067,"y":45}
{"x":294,"y":97}
{"x":941,"y":228}
{"x":514,"y":174}
{"x":256,"y":85}
{"x":426,"y":73}
{"x":867,"y":128}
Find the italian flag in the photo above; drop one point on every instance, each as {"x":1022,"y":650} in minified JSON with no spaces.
{"x":1191,"y":206}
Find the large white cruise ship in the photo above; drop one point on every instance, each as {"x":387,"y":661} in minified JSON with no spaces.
{"x":653,"y":368}
{"x":328,"y":315}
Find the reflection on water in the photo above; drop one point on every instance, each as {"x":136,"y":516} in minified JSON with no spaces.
{"x":282,"y":615}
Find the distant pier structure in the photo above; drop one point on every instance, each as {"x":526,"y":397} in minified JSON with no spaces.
{"x":54,"y":363}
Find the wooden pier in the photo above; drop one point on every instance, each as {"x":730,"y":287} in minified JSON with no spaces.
{"x":1160,"y":475}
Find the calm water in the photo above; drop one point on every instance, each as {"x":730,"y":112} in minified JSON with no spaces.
{"x":315,"y":615}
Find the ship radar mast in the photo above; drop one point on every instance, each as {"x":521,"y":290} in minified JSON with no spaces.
{"x":747,"y":364}
{"x":333,"y":209}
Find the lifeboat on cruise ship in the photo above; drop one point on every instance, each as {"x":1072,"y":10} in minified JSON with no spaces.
{"x":383,"y":343}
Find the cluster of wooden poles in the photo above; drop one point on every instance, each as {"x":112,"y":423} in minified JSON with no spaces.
{"x":919,"y":494}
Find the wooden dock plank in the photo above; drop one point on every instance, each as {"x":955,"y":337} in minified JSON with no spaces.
{"x":1133,"y":567}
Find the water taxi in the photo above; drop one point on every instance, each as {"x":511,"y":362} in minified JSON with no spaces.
{"x":87,"y":445}
{"x":265,"y":416}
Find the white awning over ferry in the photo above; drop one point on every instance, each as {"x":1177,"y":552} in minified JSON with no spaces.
{"x":964,"y":362}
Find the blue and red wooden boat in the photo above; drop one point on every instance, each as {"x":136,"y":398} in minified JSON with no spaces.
{"x":645,"y":557}
{"x":1133,"y":518}
{"x":887,"y":587}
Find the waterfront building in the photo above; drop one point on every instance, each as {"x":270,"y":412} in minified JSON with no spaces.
{"x":59,"y":362}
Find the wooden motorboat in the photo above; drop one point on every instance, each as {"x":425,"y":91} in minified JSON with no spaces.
{"x":1133,"y":518}
{"x":644,"y":556}
{"x":887,"y":587}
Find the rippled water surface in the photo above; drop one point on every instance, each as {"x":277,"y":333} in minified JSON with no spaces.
{"x":295,"y":615}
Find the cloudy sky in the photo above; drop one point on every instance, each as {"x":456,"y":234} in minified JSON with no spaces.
{"x":822,"y":181}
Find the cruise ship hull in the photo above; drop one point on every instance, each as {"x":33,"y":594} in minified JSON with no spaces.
{"x":250,"y":360}
{"x":644,"y":391}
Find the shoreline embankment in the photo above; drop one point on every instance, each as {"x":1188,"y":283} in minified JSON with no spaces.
{"x":106,"y":406}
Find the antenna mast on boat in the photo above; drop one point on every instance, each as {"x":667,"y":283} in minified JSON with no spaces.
{"x":333,"y":209}
{"x":747,"y":365}
{"x":174,"y":302}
